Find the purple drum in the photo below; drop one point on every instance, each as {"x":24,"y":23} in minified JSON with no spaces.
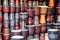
{"x":15,"y":32}
{"x":25,"y":33}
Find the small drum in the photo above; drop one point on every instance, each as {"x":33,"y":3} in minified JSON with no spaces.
{"x":42,"y":36}
{"x":43,"y":28}
{"x":25,"y":33}
{"x":31,"y":29}
{"x":15,"y":32}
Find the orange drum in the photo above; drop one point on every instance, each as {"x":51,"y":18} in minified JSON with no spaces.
{"x":51,"y":3}
{"x":42,"y":19}
{"x":43,"y":10}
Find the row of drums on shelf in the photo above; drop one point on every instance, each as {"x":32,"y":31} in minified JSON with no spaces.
{"x":31,"y":30}
{"x":16,"y":35}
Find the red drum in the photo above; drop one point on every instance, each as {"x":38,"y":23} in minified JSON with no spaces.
{"x":30,"y":12}
{"x":49,"y":10}
{"x":6,"y":33}
{"x":58,"y":10}
{"x":58,"y":5}
{"x":12,"y":9}
{"x":0,"y":7}
{"x":0,"y":36}
{"x":6,"y":30}
{"x":49,"y":18}
{"x":22,"y":9}
{"x":6,"y":9}
{"x":43,"y":28}
{"x":0,"y":16}
{"x":6,"y":37}
{"x":36,"y":10}
{"x":31,"y":29}
{"x":42,"y":36}
{"x":30,"y":20}
{"x":37,"y":29}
